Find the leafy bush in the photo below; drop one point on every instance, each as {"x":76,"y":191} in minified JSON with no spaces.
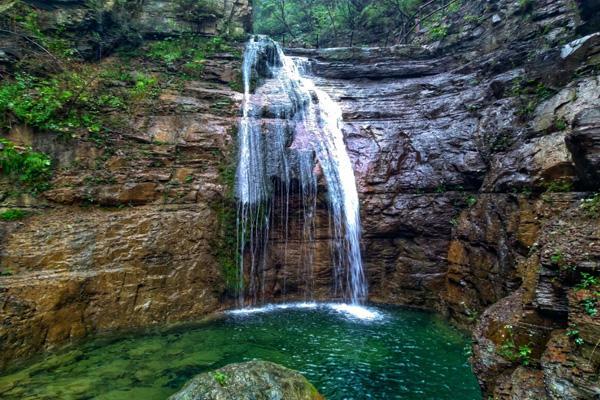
{"x":438,"y":32}
{"x":559,"y":186}
{"x":590,"y":304}
{"x":573,"y":333}
{"x":51,"y":104}
{"x":191,"y":51}
{"x":471,"y":200}
{"x":28,"y":168}
{"x":12,"y":215}
{"x":587,"y":281}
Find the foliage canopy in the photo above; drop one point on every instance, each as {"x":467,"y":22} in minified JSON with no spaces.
{"x":340,"y":22}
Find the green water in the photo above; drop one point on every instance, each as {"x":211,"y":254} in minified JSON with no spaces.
{"x":397,"y":354}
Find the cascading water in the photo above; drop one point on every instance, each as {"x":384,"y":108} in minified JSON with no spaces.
{"x":308,"y":126}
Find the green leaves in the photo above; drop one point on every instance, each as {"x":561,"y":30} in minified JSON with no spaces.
{"x":48,"y":104}
{"x":336,"y":22}
{"x":27,"y":167}
{"x":12,"y":215}
{"x":221,"y":378}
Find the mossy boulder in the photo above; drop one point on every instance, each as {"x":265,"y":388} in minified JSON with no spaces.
{"x":254,"y":380}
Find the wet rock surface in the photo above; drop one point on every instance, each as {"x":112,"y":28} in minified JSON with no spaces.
{"x":254,"y":380}
{"x":472,"y":169}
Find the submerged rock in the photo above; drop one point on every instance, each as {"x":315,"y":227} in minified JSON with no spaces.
{"x":254,"y":380}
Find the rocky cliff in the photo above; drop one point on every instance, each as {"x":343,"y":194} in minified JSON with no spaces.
{"x":477,"y":161}
{"x":132,"y":228}
{"x":476,"y":156}
{"x":476,"y":152}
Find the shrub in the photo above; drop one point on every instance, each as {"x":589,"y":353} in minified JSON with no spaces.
{"x":573,"y":333}
{"x":590,"y":304}
{"x":12,"y":215}
{"x":587,"y":281}
{"x":559,"y":186}
{"x":438,"y":32}
{"x":51,"y":104}
{"x":28,"y":168}
{"x":471,"y":200}
{"x":191,"y":51}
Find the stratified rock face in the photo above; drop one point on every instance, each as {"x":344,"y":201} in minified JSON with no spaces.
{"x":131,"y":232}
{"x":430,"y":130}
{"x":472,"y":157}
{"x":254,"y":380}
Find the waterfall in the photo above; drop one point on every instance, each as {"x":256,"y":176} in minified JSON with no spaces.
{"x":305,"y":124}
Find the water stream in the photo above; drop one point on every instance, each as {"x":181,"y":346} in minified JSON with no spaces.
{"x":290,"y":121}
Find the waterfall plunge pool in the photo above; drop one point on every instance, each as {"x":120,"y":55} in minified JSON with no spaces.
{"x":347,"y":352}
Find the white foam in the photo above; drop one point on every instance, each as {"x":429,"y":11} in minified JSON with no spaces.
{"x":352,"y":311}
{"x":272,"y":307}
{"x":356,"y":311}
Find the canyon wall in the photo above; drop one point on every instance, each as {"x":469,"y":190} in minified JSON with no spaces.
{"x":476,"y":156}
{"x":477,"y":162}
{"x":133,"y":229}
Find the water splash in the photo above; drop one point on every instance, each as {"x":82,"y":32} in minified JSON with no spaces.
{"x":350,"y":311}
{"x":315,"y":122}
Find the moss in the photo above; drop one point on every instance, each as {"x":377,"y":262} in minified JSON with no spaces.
{"x":225,"y":246}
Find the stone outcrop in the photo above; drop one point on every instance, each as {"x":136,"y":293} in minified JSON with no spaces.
{"x":254,"y":380}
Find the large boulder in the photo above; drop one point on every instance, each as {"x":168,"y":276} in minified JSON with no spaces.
{"x":253,"y":380}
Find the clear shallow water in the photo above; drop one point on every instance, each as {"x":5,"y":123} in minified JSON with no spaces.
{"x":348,"y":353}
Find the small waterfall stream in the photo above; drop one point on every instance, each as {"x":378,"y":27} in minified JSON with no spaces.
{"x":304,"y":128}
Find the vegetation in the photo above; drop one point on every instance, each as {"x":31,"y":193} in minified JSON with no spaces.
{"x":61,"y":94}
{"x":63,"y":103}
{"x":351,"y":22}
{"x":558,"y":186}
{"x":587,"y":281}
{"x":25,"y":167}
{"x":531,"y":93}
{"x":12,"y":215}
{"x":471,"y":200}
{"x":591,"y":205}
{"x":589,"y":285}
{"x":590,"y":304}
{"x":220,"y":377}
{"x":190,"y":51}
{"x":513,"y":352}
{"x":573,"y":333}
{"x":225,"y":248}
